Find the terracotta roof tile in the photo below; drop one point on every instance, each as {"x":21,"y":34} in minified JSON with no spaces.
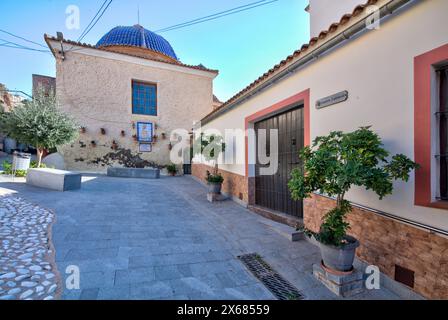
{"x":332,"y":28}
{"x":89,"y":46}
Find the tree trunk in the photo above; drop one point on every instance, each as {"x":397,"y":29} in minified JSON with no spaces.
{"x":40,"y":152}
{"x":216,"y":168}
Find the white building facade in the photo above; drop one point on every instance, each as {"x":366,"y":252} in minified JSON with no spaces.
{"x":392,"y":78}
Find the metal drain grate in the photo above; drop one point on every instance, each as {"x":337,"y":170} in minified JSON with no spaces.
{"x":281,"y":288}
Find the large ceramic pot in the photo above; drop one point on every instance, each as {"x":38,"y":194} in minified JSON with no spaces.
{"x":214,"y":188}
{"x":339,"y":258}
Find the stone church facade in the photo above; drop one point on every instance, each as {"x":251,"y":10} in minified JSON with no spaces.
{"x":132,"y":78}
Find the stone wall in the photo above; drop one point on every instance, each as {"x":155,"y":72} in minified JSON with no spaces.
{"x":45,"y":83}
{"x":234,"y":184}
{"x":97,"y":92}
{"x":386,"y":243}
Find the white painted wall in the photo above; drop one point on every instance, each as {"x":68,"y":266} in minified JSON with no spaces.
{"x":325,"y":12}
{"x":377,"y":70}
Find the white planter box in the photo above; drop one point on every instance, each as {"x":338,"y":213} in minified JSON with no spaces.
{"x":54,"y":179}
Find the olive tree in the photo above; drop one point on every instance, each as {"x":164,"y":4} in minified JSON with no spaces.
{"x":39,"y":123}
{"x":335,"y":163}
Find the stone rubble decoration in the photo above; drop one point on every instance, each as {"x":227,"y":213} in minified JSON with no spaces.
{"x":27,"y":267}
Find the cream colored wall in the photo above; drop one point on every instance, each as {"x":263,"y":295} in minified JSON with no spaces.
{"x":377,"y":70}
{"x":325,"y":12}
{"x":97,"y":91}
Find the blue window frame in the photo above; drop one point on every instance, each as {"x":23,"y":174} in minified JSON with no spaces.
{"x":144,"y":98}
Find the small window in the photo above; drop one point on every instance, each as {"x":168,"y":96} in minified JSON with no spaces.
{"x":144,"y":98}
{"x":442,"y":76}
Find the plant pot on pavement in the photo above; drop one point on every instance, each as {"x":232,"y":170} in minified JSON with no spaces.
{"x":339,"y":258}
{"x":215,"y":187}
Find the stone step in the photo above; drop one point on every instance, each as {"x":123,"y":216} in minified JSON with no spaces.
{"x":288,"y":232}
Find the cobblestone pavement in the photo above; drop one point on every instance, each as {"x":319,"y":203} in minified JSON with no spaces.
{"x":26,"y":255}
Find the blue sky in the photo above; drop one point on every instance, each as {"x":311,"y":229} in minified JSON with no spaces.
{"x":242,"y":46}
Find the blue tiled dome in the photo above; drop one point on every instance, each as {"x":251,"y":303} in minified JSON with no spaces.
{"x":137,"y":36}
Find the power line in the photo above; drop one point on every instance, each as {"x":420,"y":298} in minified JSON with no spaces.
{"x":93,"y":19}
{"x":13,"y":45}
{"x":217,"y":15}
{"x":98,"y":19}
{"x":212,"y":15}
{"x":23,"y":48}
{"x":22,"y":38}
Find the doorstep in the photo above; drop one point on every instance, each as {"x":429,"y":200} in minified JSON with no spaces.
{"x":277,"y":216}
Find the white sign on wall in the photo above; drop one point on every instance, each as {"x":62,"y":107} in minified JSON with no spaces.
{"x":331,"y":100}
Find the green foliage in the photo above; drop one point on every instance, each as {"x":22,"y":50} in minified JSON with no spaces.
{"x":339,"y":161}
{"x":7,"y":168}
{"x":39,"y":123}
{"x":214,"y":178}
{"x":334,"y":227}
{"x":210,"y":147}
{"x":171,"y":168}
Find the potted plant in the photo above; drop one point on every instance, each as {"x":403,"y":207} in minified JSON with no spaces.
{"x":214,"y":182}
{"x":210,"y":148}
{"x":331,"y":166}
{"x":172,"y":169}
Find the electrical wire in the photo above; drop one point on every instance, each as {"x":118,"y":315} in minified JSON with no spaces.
{"x":22,"y":38}
{"x":91,"y":21}
{"x":13,"y":45}
{"x":98,"y":19}
{"x":218,"y":15}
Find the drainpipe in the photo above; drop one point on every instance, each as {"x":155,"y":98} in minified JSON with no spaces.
{"x":385,"y":11}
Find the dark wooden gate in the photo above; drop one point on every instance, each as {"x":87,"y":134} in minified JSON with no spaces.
{"x":271,"y":191}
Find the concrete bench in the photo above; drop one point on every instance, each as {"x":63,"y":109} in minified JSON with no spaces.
{"x":54,"y":179}
{"x":133,"y":173}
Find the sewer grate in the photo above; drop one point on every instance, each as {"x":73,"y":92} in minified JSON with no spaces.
{"x":281,"y":288}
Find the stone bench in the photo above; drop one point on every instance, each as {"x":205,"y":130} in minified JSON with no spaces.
{"x":133,"y":173}
{"x":54,"y":179}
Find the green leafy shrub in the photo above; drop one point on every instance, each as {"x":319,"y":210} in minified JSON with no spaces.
{"x":39,"y":123}
{"x":214,"y":178}
{"x":339,"y":161}
{"x":7,"y":168}
{"x":171,"y":168}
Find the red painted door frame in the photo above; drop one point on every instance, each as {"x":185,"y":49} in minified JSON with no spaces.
{"x":423,"y":113}
{"x":302,"y":97}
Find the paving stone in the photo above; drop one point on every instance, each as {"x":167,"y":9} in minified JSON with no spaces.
{"x":151,"y":290}
{"x":144,"y":245}
{"x":134,"y":276}
{"x":26,"y":294}
{"x":89,"y":294}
